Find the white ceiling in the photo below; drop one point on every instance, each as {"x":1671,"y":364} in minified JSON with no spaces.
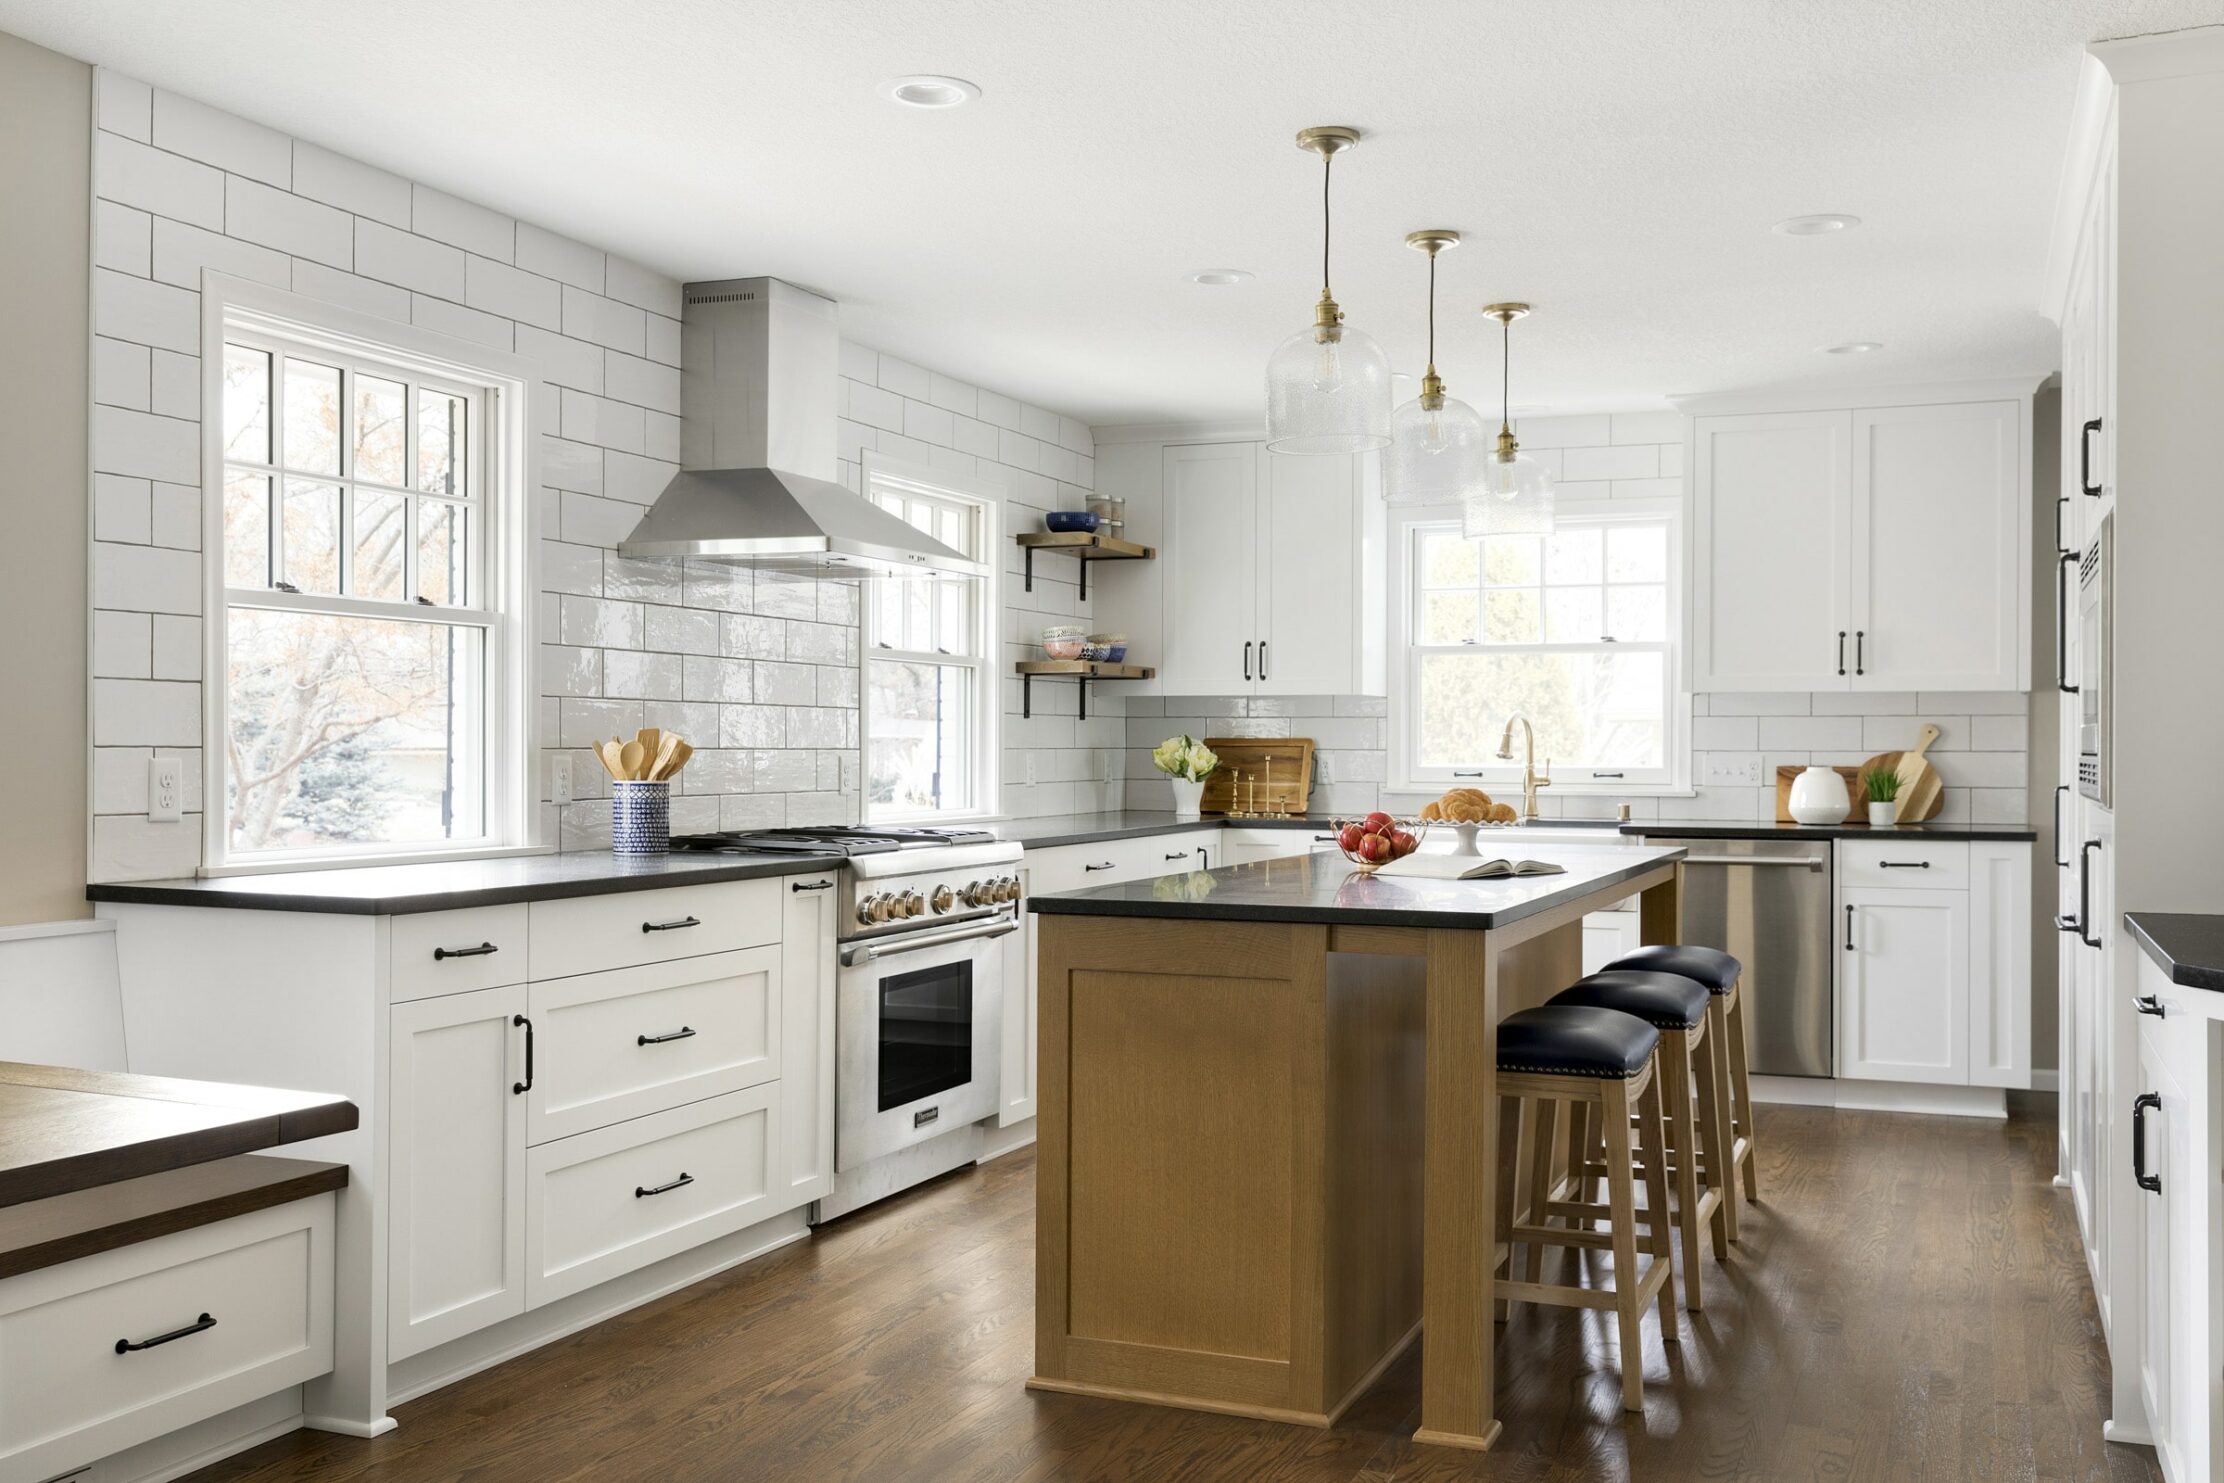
{"x":1617,"y":164}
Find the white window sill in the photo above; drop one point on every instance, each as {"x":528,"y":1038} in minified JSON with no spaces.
{"x":293,"y":863}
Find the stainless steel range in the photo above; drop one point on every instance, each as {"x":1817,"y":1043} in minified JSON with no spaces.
{"x":919,"y":994}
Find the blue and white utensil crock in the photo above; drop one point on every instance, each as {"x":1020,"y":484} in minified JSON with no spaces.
{"x":640,"y":817}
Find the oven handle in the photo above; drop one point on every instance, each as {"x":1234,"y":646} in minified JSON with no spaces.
{"x":867,"y":952}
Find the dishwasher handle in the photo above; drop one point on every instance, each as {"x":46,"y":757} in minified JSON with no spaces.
{"x":1787,"y":862}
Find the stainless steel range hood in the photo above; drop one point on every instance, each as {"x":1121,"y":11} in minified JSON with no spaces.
{"x":756,"y":486}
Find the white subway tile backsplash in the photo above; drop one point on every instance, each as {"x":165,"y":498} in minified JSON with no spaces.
{"x":185,"y":127}
{"x":122,"y":509}
{"x":442,"y":317}
{"x":123,"y":645}
{"x":1641,"y":461}
{"x":177,"y":516}
{"x":181,"y":252}
{"x":123,"y":105}
{"x":411,"y":261}
{"x":498,"y":288}
{"x":905,"y":379}
{"x":629,"y":378}
{"x":145,"y":312}
{"x":443,"y":217}
{"x":364,"y":295}
{"x":123,"y":239}
{"x":177,"y":651}
{"x":144,"y":446}
{"x":175,"y":384}
{"x":630,"y":283}
{"x":351,"y":185}
{"x":552,"y":256}
{"x":290,"y":223}
{"x":602,"y":321}
{"x":1645,"y":427}
{"x":158,"y":182}
{"x":147,"y":713}
{"x":122,"y":374}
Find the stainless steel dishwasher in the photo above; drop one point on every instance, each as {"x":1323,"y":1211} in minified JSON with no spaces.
{"x":1766,"y":902}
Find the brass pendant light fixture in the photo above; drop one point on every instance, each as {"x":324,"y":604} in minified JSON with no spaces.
{"x":1327,"y":386}
{"x":1438,"y":444}
{"x":1516,"y":495}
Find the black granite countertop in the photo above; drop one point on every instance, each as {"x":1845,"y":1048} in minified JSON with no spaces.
{"x":400,"y":890}
{"x":1064,"y":829}
{"x":1749,"y":829}
{"x":2189,"y":946}
{"x":1325,"y":888}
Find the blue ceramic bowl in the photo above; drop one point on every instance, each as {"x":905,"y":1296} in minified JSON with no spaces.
{"x":1063,"y":521}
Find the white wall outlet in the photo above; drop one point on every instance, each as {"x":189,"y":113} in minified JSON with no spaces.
{"x":1731,"y":770}
{"x":559,"y":779}
{"x":165,"y":789}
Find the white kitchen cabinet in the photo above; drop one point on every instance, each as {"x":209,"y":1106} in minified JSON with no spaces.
{"x":2158,"y":1115}
{"x":1608,"y":935}
{"x":1269,"y":577}
{"x":1880,"y":547}
{"x":1999,"y":964}
{"x":1903,"y":992}
{"x":807,"y":934}
{"x":455,"y":1167}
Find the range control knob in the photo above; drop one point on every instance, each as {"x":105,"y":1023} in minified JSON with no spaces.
{"x":914,"y":904}
{"x":974,"y":894}
{"x":872,"y":910}
{"x":1007,"y":889}
{"x":942,"y":900}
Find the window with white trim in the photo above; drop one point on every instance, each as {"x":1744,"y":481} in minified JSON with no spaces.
{"x":929,"y":703}
{"x":1575,"y":631}
{"x":362,"y":633}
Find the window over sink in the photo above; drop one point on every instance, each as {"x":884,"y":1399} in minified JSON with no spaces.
{"x":366,"y":558}
{"x":1575,"y":630}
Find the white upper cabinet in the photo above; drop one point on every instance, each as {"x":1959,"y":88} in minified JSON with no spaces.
{"x":1270,"y":570}
{"x":1772,"y":513}
{"x":1869,"y":548}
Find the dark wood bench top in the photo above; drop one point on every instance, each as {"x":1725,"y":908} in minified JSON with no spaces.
{"x":63,"y":1129}
{"x":46,"y":1233}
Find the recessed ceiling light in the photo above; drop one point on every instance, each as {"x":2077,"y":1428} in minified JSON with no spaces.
{"x":1815,"y":226}
{"x":928,"y":91}
{"x":1852,"y":347}
{"x":1219,"y":277}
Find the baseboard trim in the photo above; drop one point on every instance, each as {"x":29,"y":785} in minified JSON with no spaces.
{"x":348,"y":1426}
{"x":2046,"y":1081}
{"x":2130,"y":1433}
{"x":1881,"y":1096}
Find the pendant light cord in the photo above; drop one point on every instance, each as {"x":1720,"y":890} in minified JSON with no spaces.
{"x":1432,"y":311}
{"x":1505,"y":375}
{"x":1328,"y":163}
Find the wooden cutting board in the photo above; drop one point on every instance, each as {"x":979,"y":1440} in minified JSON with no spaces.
{"x":1921,"y":792}
{"x":1890,"y":762}
{"x":1784,"y":776}
{"x":1248,"y":782}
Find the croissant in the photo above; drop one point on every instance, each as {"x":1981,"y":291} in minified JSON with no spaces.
{"x":1502,"y":813}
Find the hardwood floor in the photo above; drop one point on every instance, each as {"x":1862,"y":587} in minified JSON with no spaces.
{"x":1909,"y":1303}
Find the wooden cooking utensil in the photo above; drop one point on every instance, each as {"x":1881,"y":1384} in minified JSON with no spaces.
{"x":664,"y":753}
{"x":632,"y":756}
{"x":1920,"y":788}
{"x":651,"y":739}
{"x":607,"y":754}
{"x":680,"y":752}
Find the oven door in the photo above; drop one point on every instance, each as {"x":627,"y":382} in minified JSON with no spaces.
{"x":919,"y":1021}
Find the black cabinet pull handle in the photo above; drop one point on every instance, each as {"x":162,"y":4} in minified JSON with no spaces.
{"x":440,"y":954}
{"x":1903,"y":864}
{"x":518,"y":1088}
{"x":1841,"y":651}
{"x":2061,"y":509}
{"x":2062,"y":567}
{"x":812,"y":886}
{"x":2085,"y":459}
{"x":642,"y":1192}
{"x":1262,"y":659}
{"x":684,"y":1032}
{"x":199,"y":1325}
{"x":1597,"y":775}
{"x":2061,"y":791}
{"x":2140,"y":1106}
{"x":2148,"y":1004}
{"x":671,"y":926}
{"x":1849,"y":929}
{"x":2085,"y":892}
{"x":1247,"y":659}
{"x":1324,"y":839}
{"x":1107,"y":865}
{"x":1860,"y":651}
{"x":1179,"y":855}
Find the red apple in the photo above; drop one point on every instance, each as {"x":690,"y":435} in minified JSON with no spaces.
{"x":1378,"y":821}
{"x":1374,"y":849}
{"x":1349,"y":836}
{"x":1403,"y":843}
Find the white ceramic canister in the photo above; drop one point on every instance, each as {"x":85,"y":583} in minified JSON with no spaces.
{"x":1819,"y":797}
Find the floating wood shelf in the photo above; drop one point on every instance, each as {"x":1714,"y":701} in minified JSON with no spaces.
{"x":1080,"y":671}
{"x":1084,"y":546}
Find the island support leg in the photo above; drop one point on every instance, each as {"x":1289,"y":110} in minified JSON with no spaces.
{"x":1460,"y":1169}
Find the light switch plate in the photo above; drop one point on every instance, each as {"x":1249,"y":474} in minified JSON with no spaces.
{"x":559,"y":779}
{"x":1731,"y":770}
{"x":165,"y":789}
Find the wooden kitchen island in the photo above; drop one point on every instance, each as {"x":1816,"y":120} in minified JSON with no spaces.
{"x":1267,"y":1147}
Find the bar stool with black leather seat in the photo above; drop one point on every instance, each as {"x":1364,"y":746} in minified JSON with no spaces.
{"x":1604,"y":1058}
{"x":1697,"y":1136}
{"x":1726,"y":1019}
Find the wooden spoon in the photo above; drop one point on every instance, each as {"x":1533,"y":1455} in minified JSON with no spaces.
{"x":630,"y":757}
{"x":664,"y":751}
{"x":606,"y":754}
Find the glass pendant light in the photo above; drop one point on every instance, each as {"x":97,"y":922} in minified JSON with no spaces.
{"x":1438,"y":445}
{"x":1327,"y":386}
{"x":1516,"y":496}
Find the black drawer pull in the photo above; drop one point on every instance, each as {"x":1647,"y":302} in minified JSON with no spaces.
{"x":812,"y":886}
{"x":684,"y":1032}
{"x":199,"y":1325}
{"x":1179,"y":855}
{"x":1849,"y":929}
{"x":2148,"y":1004}
{"x":1607,"y":775}
{"x":641,"y":1192}
{"x":2085,"y":459}
{"x":440,"y":954}
{"x":1904,"y":864}
{"x":519,"y":1088}
{"x":2140,"y":1106}
{"x":671,"y":926}
{"x":1107,"y":865}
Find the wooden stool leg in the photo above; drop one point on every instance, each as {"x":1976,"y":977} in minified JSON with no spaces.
{"x":1622,"y":1204}
{"x":1726,"y":1033}
{"x":1673,"y":1084}
{"x":1649,"y":1141}
{"x":1540,"y":1179}
{"x":1715,"y":1142}
{"x":1742,"y":1113}
{"x":1509,"y":1147}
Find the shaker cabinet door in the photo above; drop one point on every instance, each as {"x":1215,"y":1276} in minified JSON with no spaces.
{"x":1211,"y":579}
{"x":1903,"y":994}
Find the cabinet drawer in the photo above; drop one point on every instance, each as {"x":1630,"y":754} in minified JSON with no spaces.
{"x":1904,"y":864}
{"x":631,"y":1041}
{"x":453,"y":952}
{"x":67,"y":1396}
{"x":604,"y":1203}
{"x":1113,"y":860}
{"x":586,"y":934}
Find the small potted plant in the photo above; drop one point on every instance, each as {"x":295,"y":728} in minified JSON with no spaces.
{"x":1883,"y":790}
{"x":1187,"y":762}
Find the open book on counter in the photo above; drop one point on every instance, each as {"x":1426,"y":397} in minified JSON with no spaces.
{"x":1467,"y":868}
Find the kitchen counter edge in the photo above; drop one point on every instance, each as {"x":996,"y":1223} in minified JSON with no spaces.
{"x":2189,"y":946}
